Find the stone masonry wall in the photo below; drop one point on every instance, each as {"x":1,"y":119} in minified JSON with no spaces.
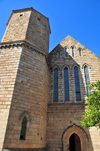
{"x":63,"y":114}
{"x":9,"y":61}
{"x":17,"y":27}
{"x":28,"y":96}
{"x":38,"y":31}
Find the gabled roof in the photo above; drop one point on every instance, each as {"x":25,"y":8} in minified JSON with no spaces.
{"x":68,"y":42}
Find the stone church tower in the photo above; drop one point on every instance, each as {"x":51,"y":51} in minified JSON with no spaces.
{"x":24,"y":80}
{"x":42,"y":96}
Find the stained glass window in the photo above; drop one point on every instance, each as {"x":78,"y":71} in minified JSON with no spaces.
{"x":66,"y":84}
{"x":55,"y":93}
{"x":87,"y":79}
{"x":77,"y":84}
{"x":23,"y":129}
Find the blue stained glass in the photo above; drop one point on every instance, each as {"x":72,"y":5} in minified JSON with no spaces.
{"x":65,"y":52}
{"x":73,"y":52}
{"x":66,"y":84}
{"x":59,"y":54}
{"x":87,"y":79}
{"x":77,"y":84}
{"x":55,"y":93}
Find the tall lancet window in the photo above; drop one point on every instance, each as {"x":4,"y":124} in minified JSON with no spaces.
{"x":66,"y":84}
{"x":77,"y":84}
{"x":23,"y":129}
{"x":65,"y":52}
{"x":55,"y":93}
{"x":87,"y":79}
{"x":72,"y":51}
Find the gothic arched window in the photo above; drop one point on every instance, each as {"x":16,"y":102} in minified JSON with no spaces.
{"x":87,"y":79}
{"x":23,"y":128}
{"x":66,"y":84}
{"x":55,"y":93}
{"x":77,"y":84}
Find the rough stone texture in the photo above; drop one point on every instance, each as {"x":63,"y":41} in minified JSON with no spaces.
{"x":26,"y":87}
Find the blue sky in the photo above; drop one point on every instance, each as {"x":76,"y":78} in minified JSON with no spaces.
{"x":77,"y":18}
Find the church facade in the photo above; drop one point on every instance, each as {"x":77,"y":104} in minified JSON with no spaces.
{"x":43,"y":95}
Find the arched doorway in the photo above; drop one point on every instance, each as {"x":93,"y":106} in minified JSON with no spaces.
{"x":77,"y":133}
{"x":74,"y":143}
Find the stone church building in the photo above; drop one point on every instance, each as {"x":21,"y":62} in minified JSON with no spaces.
{"x":43,"y":95}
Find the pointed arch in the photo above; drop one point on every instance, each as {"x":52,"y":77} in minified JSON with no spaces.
{"x":56,"y":66}
{"x":65,"y":66}
{"x":85,"y":64}
{"x":80,"y":132}
{"x":23,"y":114}
{"x":75,"y":65}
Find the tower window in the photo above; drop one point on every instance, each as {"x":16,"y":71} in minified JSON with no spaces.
{"x":23,"y":129}
{"x":66,"y":84}
{"x":77,"y":84}
{"x":65,"y":52}
{"x":87,"y":79}
{"x":58,"y":54}
{"x":55,"y":93}
{"x":80,"y":53}
{"x":72,"y":51}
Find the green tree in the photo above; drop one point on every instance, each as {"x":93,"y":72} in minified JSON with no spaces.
{"x":92,"y":109}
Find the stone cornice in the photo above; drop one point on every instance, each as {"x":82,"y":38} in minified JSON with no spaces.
{"x":21,"y":43}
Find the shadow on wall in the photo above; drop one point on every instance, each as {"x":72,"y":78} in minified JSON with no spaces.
{"x":64,"y":116}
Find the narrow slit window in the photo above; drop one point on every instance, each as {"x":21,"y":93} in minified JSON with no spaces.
{"x":77,"y":84}
{"x":87,"y":79}
{"x":73,"y":52}
{"x":80,"y":53}
{"x":58,"y":54}
{"x":55,"y":93}
{"x":23,"y":129}
{"x":65,"y":52}
{"x":66,"y":84}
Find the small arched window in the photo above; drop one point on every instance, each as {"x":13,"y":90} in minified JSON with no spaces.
{"x":77,"y":84}
{"x":66,"y":84}
{"x":72,"y":51}
{"x":80,"y":53}
{"x":65,"y":52}
{"x":87,"y":79}
{"x":23,"y":128}
{"x":55,"y":93}
{"x":58,"y":54}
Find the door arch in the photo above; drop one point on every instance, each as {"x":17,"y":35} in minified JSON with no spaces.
{"x":74,"y":143}
{"x":74,"y":129}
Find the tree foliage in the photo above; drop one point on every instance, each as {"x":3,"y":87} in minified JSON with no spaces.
{"x":92,"y":110}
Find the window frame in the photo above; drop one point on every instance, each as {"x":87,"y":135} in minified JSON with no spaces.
{"x":23,"y":135}
{"x":68,"y":85}
{"x":77,"y":81}
{"x":55,"y":86}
